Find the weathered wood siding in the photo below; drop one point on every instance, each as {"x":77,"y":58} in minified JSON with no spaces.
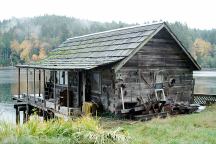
{"x":107,"y":95}
{"x":106,"y":98}
{"x":160,"y":55}
{"x":73,"y":79}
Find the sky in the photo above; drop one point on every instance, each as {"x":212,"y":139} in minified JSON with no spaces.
{"x":195,"y":13}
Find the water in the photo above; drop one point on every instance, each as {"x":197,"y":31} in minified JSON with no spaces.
{"x":7,"y":113}
{"x":9,"y":87}
{"x":205,"y":82}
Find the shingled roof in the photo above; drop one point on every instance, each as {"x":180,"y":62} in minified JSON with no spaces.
{"x":94,"y":50}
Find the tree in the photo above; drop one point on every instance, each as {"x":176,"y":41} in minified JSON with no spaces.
{"x":201,"y":48}
{"x":202,"y":52}
{"x":26,"y":47}
{"x":15,"y":46}
{"x":42,"y":53}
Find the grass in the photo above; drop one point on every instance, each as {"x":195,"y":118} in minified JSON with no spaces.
{"x":82,"y":130}
{"x":197,"y":128}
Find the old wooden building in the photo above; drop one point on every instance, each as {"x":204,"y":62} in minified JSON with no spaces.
{"x":113,"y":69}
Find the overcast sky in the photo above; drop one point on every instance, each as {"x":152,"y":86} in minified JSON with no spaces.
{"x":196,"y":13}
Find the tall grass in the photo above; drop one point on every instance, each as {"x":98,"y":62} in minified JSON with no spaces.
{"x":195,"y":128}
{"x":81,"y":130}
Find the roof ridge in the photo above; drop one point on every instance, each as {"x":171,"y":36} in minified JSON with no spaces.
{"x":113,"y":30}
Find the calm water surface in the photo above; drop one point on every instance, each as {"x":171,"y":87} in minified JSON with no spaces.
{"x":205,"y":82}
{"x":9,"y":87}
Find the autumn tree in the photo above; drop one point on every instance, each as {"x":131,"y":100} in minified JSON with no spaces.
{"x":42,"y":53}
{"x":202,"y":47}
{"x":25,"y":47}
{"x":201,"y":50}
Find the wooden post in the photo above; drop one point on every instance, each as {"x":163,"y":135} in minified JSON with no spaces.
{"x":44,"y":101}
{"x":17,"y":116}
{"x":54,"y":90}
{"x":39,"y":82}
{"x":18,"y":107}
{"x":24,"y":116}
{"x":122,"y":97}
{"x":27,"y":105}
{"x":68,"y":97}
{"x":34,"y":87}
{"x":78,"y":89}
{"x":27,"y":94}
{"x":44,"y":84}
{"x":84,"y":85}
{"x":192,"y":95}
{"x":19,"y":83}
{"x":140,"y":89}
{"x":27,"y":83}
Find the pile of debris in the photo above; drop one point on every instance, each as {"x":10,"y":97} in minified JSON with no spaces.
{"x":158,"y":107}
{"x":182,"y":108}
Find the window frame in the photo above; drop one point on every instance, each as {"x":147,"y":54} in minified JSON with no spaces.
{"x":99,"y":83}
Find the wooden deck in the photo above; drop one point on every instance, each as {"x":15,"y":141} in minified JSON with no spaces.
{"x":45,"y":105}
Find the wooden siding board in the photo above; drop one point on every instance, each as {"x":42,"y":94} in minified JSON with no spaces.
{"x":149,"y":60}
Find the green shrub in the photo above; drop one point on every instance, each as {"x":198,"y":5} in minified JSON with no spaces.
{"x":81,"y":130}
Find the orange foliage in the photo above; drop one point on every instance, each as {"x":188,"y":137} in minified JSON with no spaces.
{"x":25,"y":48}
{"x":42,"y":53}
{"x":201,"y":48}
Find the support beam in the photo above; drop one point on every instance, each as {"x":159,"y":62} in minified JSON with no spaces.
{"x":192,"y":93}
{"x":19,"y":83}
{"x":44,"y":100}
{"x":17,"y":116}
{"x":84,"y":85}
{"x":78,"y":91}
{"x":68,"y":97}
{"x":34,"y":86}
{"x":54,"y":89}
{"x":27,"y":90}
{"x":44,"y":84}
{"x":27,"y":93}
{"x":122,"y":97}
{"x":39,"y":83}
{"x":24,"y":116}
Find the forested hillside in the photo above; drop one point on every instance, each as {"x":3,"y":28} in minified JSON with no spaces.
{"x":31,"y":39}
{"x":200,"y":43}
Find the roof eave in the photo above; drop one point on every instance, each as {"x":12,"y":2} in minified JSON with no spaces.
{"x":47,"y":68}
